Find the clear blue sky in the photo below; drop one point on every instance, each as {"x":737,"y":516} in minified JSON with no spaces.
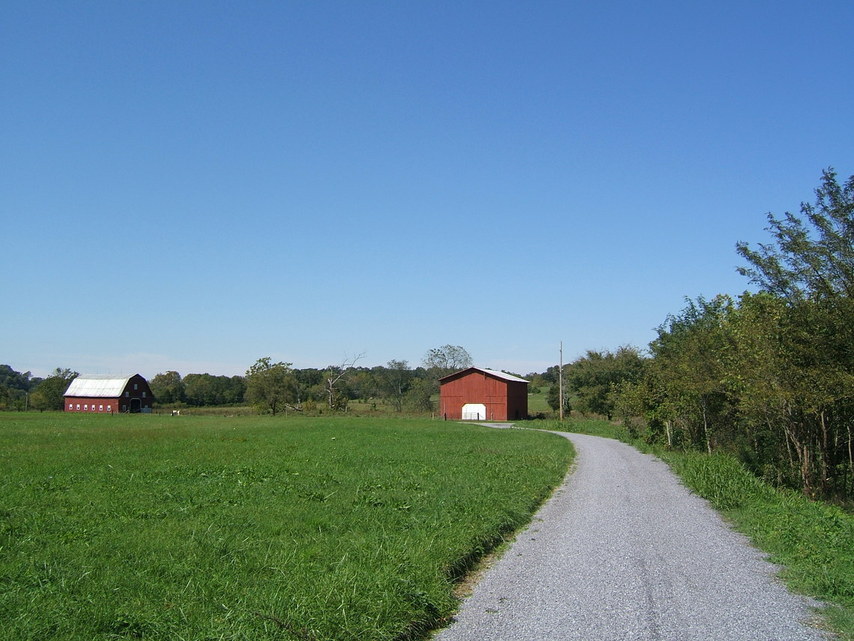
{"x":194,"y":185}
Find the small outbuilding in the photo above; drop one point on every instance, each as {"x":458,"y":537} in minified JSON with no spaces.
{"x":109,"y":395}
{"x":479,"y":394}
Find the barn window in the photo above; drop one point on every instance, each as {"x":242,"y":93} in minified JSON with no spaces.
{"x":100,"y":408}
{"x":86,"y":408}
{"x":135,"y":387}
{"x":143,"y":395}
{"x":127,"y":394}
{"x":78,"y":407}
{"x":109,"y":408}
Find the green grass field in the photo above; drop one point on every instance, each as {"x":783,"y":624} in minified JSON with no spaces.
{"x":203,"y":528}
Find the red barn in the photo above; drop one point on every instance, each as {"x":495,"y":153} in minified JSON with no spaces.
{"x":483,"y":395}
{"x":108,"y":395}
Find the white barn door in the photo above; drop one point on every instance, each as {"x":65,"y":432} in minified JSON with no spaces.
{"x":474,"y":412}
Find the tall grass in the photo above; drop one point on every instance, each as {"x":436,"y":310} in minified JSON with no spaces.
{"x":812,"y":541}
{"x":259,"y":528}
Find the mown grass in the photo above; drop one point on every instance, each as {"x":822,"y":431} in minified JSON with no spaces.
{"x":538,"y":404}
{"x":813,"y":542}
{"x":155,"y":527}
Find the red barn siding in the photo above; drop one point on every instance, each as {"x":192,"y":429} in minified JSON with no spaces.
{"x":98,"y":405}
{"x":504,"y":399}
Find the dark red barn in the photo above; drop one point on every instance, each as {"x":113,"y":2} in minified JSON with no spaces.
{"x":109,"y":395}
{"x":478,"y":394}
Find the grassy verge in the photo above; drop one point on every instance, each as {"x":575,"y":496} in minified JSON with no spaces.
{"x":154,"y":527}
{"x":812,"y":541}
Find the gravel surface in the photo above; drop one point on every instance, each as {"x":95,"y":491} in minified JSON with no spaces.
{"x":623,"y":551}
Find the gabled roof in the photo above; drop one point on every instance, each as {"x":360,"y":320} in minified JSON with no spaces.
{"x":98,"y":386}
{"x":489,"y":372}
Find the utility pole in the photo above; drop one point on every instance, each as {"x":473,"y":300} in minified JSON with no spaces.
{"x":560,"y":382}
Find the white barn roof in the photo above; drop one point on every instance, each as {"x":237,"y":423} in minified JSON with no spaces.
{"x":491,"y":372}
{"x":504,"y":375}
{"x":97,"y":386}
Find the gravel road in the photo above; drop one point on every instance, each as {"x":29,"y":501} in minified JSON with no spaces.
{"x":623,"y":551}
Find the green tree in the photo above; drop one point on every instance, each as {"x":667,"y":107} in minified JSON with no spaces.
{"x":199,"y":390}
{"x":396,"y":382}
{"x":234,"y":390}
{"x":208,"y":390}
{"x":270,"y":385}
{"x":309,"y":385}
{"x":796,"y":354}
{"x":168,"y":387}
{"x":646,"y":403}
{"x":419,"y":397}
{"x":49,"y":394}
{"x":793,"y":372}
{"x":15,"y":387}
{"x":15,"y":380}
{"x":689,"y":364}
{"x":594,"y":378}
{"x":813,"y":258}
{"x":364,"y":383}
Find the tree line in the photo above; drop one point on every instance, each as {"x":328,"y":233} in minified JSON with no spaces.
{"x":270,"y":386}
{"x":273,"y":386}
{"x":769,"y":375}
{"x":22,"y":391}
